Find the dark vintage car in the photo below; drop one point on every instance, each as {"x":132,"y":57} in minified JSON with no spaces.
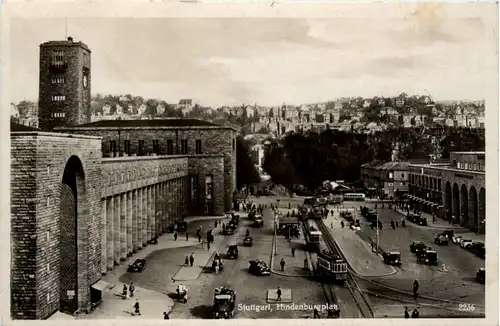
{"x":481,"y":275}
{"x":392,"y":258}
{"x":347,"y":216}
{"x":428,"y":257}
{"x":232,"y":252}
{"x":258,"y":222}
{"x":448,"y":233}
{"x":421,"y":221}
{"x":258,"y":267}
{"x":137,"y":266}
{"x":228,"y":231}
{"x":413,"y":217}
{"x":478,"y":248}
{"x":417,"y":246}
{"x":224,"y":303}
{"x":441,"y":240}
{"x":248,"y":241}
{"x":235,"y":219}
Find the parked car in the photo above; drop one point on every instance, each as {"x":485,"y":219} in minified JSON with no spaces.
{"x":392,"y":258}
{"x":448,"y":233}
{"x":137,"y":266}
{"x":477,"y":248}
{"x":258,"y":267}
{"x":417,"y":246}
{"x":457,"y":239}
{"x":465,"y":243}
{"x":248,"y":241}
{"x":441,"y":240}
{"x":481,"y":275}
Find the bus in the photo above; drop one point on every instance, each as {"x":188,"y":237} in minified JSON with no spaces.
{"x":313,"y":236}
{"x":354,"y":197}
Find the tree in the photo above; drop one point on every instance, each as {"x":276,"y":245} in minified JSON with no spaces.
{"x":246,"y":172}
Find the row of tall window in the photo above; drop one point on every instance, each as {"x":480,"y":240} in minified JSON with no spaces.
{"x":58,"y":80}
{"x":470,"y":166}
{"x":156,"y":147}
{"x":58,"y":98}
{"x":57,"y":58}
{"x":58,"y":115}
{"x":425,"y":182}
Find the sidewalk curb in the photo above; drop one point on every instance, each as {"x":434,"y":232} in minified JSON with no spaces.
{"x":271,"y":267}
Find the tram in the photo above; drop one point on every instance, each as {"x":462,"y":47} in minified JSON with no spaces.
{"x":330,"y":266}
{"x":313,"y":236}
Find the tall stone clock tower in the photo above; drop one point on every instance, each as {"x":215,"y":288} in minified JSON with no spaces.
{"x":64,"y":91}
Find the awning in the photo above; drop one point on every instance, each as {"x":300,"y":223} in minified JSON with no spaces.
{"x":102,"y":286}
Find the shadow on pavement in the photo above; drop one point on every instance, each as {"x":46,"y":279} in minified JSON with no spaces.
{"x":203,"y":311}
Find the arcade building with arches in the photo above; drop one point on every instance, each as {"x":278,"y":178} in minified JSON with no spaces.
{"x":454,"y":191}
{"x":86,"y":196}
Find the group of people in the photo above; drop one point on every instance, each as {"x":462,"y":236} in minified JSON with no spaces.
{"x":131,"y":289}
{"x":189,"y":261}
{"x":414,"y":314}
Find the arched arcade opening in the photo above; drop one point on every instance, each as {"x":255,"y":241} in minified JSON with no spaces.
{"x":72,"y":239}
{"x":464,"y":206}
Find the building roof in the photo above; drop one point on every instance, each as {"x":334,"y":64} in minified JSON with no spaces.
{"x":372,"y":164}
{"x":19,"y":127}
{"x":393,"y":166}
{"x":146,"y":123}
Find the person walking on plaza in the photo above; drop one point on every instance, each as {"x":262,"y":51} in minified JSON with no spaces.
{"x":175,"y":236}
{"x":316,"y":314}
{"x":191,"y":260}
{"x":216,"y":268}
{"x":137,"y":308}
{"x":407,"y":313}
{"x":186,"y":261}
{"x":282,"y":263}
{"x":293,"y":252}
{"x":165,"y":315}
{"x":199,"y":237}
{"x":187,"y":236}
{"x":306,"y":264}
{"x":131,"y":288}
{"x":341,"y":224}
{"x":125,"y":291}
{"x":416,"y":285}
{"x":278,"y":294}
{"x":415,"y":313}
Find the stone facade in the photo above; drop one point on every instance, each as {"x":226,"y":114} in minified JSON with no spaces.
{"x":455,"y":190}
{"x":215,"y":141}
{"x":38,"y":164}
{"x":63,"y":65}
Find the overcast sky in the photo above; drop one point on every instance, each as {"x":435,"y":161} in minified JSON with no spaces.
{"x":270,"y":61}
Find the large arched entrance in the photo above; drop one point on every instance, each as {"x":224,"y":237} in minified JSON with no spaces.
{"x":456,"y":203}
{"x":473,"y":213}
{"x":448,"y":202}
{"x":464,"y":206}
{"x":73,"y":213}
{"x":482,"y":210}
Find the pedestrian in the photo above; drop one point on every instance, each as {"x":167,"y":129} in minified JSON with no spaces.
{"x":316,"y":314}
{"x":306,"y":264}
{"x":293,"y":252}
{"x":187,"y":236}
{"x":208,"y":245}
{"x":215,"y":224}
{"x":165,"y":315}
{"x":137,"y":309}
{"x":407,"y":313}
{"x":186,"y":261}
{"x":125,"y":291}
{"x":415,"y":313}
{"x":278,"y":294}
{"x":199,"y":237}
{"x":191,"y":260}
{"x":131,"y":289}
{"x":341,"y":224}
{"x":282,"y":263}
{"x":216,"y":268}
{"x":175,"y":235}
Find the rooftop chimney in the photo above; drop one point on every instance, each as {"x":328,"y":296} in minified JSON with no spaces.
{"x":70,"y":39}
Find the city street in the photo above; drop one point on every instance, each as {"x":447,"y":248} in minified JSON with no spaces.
{"x":455,"y":283}
{"x":251,"y":290}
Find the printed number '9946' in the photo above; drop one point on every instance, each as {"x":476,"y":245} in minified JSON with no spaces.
{"x":466,"y":307}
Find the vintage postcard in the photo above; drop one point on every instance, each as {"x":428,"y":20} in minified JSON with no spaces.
{"x":250,"y":161}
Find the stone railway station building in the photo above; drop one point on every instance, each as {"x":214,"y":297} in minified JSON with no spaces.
{"x":85,"y":196}
{"x":454,"y":190}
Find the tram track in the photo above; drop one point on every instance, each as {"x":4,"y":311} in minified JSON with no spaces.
{"x":351,"y":288}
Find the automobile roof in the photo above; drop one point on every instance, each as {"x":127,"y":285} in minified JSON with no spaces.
{"x":223,"y":296}
{"x":394,"y":253}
